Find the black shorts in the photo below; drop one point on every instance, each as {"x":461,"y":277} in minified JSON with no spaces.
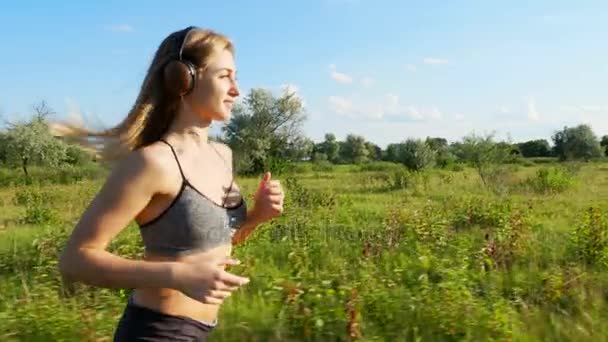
{"x":142,"y":324}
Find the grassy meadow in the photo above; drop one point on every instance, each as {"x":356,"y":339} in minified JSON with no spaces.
{"x":367,"y":253}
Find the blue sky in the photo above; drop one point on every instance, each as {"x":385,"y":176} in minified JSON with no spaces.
{"x":387,"y":70}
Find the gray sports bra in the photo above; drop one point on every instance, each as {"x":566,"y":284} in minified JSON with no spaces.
{"x":192,"y":222}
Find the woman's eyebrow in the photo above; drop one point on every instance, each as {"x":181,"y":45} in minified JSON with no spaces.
{"x":225,"y":68}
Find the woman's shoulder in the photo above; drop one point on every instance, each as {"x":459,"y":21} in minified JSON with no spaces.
{"x":153,"y":162}
{"x":155,"y":157}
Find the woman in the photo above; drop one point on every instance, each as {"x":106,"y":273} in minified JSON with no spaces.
{"x":179,"y":188}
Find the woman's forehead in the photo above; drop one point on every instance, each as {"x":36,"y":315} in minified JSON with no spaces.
{"x":222,"y":61}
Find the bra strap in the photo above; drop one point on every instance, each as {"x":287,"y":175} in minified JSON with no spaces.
{"x":176,"y":160}
{"x":228,"y":193}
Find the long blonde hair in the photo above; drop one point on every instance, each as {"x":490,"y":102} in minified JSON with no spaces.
{"x":155,"y":108}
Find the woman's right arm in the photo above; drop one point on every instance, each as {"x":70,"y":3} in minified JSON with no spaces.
{"x":126,"y":192}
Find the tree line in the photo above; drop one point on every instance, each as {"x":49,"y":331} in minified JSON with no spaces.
{"x":265,"y":132}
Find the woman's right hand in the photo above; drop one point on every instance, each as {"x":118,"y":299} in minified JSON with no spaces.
{"x":205,"y":280}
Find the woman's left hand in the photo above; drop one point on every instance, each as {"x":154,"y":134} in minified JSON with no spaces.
{"x":268,"y":199}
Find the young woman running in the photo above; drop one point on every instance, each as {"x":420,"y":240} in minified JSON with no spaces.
{"x":179,"y":188}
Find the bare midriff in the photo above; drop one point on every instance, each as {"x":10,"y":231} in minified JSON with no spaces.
{"x":174,"y":302}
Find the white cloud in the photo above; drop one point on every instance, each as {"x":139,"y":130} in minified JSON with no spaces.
{"x":388,"y":109}
{"x":339,"y":76}
{"x":591,"y":108}
{"x":568,"y":108}
{"x":392,"y":100}
{"x":367,"y":81}
{"x":459,"y":117}
{"x":584,"y":108}
{"x":504,"y":109}
{"x":410,"y":67}
{"x":413,"y":113}
{"x":435,"y":61}
{"x":340,"y":105}
{"x":120,"y":28}
{"x":435,"y":114}
{"x":533,"y":114}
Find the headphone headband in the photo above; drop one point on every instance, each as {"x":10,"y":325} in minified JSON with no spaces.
{"x":180,"y":70}
{"x":184,"y":40}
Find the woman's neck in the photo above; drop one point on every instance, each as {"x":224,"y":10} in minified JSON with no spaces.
{"x":190,"y":127}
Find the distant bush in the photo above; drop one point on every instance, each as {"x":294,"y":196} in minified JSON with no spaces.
{"x":600,"y":160}
{"x":527,"y":162}
{"x":416,"y":155}
{"x":322,"y":166}
{"x":380,"y":166}
{"x":77,"y":156}
{"x":37,"y":208}
{"x":403,"y":179}
{"x":318,"y":156}
{"x":477,"y":211}
{"x":577,"y":143}
{"x":277,"y":165}
{"x":456,"y":167}
{"x":63,"y":174}
{"x":543,"y":160}
{"x":487,"y":157}
{"x":305,"y":197}
{"x":589,"y":240}
{"x":446,"y":160}
{"x":300,"y":168}
{"x":551,"y":180}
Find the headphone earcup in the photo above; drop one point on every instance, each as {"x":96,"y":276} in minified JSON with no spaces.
{"x":179,"y":77}
{"x":192,"y":73}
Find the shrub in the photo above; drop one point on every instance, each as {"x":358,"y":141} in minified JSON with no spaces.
{"x":589,"y":240}
{"x":380,"y":166}
{"x":416,"y":155}
{"x":550,"y":180}
{"x":36,"y":203}
{"x":322,"y":166}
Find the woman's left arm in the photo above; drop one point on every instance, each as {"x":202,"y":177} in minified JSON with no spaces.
{"x":268,"y":205}
{"x":246,"y":228}
{"x":268,"y":202}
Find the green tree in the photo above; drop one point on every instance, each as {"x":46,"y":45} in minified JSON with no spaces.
{"x":483,"y":154}
{"x":444,"y":156}
{"x":3,"y":149}
{"x":263,"y":126}
{"x":437,"y":144}
{"x":375,"y":152}
{"x":604,"y":144}
{"x":354,"y":149}
{"x":416,"y":154}
{"x":300,"y":148}
{"x":330,"y":148}
{"x":30,"y":142}
{"x":391,"y":153}
{"x":74,"y":155}
{"x":535,"y":148}
{"x":576,"y":143}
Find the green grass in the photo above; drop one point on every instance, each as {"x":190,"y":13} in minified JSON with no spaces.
{"x":370,"y":253}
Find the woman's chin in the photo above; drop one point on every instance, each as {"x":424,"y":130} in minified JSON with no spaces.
{"x":222,"y":117}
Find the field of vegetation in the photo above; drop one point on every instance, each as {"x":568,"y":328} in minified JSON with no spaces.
{"x":370,"y":252}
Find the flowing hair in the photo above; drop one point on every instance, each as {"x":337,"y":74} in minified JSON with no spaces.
{"x":156,"y":105}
